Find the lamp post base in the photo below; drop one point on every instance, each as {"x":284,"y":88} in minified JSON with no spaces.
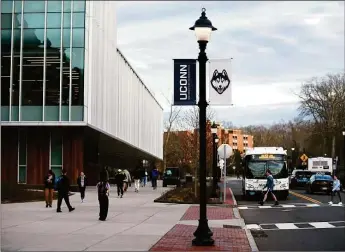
{"x":203,"y":235}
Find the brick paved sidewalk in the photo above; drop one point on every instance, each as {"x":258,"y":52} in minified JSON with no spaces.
{"x":213,"y":213}
{"x":180,"y":237}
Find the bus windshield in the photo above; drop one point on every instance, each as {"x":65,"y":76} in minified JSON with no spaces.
{"x":257,"y":169}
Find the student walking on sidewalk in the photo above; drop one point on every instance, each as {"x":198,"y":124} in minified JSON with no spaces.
{"x":63,"y":186}
{"x":103,"y":188}
{"x":119,"y":177}
{"x":82,"y":183}
{"x":335,"y":190}
{"x":49,"y":182}
{"x":136,"y":175}
{"x":154,"y":177}
{"x":269,"y":185}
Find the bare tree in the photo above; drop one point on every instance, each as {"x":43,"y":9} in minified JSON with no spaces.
{"x":323,"y":101}
{"x":174,"y":115}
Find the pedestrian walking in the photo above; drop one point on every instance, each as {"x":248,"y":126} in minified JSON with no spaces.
{"x":335,"y":190}
{"x":49,"y":182}
{"x":154,"y":177}
{"x":136,"y":177}
{"x":119,"y":178}
{"x":269,"y":185}
{"x":127,"y":179}
{"x":82,"y":183}
{"x":103,"y":188}
{"x":143,"y":174}
{"x":63,"y":186}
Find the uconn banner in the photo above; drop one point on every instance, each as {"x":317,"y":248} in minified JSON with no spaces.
{"x":184,"y":82}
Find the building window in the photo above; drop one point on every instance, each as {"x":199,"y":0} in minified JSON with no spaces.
{"x":22,"y":157}
{"x":56,"y":153}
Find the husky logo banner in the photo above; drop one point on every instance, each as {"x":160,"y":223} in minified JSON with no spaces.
{"x":220,"y":91}
{"x":184,"y":82}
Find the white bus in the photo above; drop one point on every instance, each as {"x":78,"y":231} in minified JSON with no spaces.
{"x":256,"y":161}
{"x":320,"y":164}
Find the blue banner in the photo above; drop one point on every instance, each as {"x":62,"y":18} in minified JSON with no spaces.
{"x":184,"y":82}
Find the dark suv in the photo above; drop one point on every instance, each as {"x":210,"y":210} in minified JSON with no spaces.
{"x":299,"y":178}
{"x":172,"y":176}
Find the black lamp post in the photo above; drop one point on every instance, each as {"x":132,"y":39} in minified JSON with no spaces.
{"x":203,"y":28}
{"x":215,"y":139}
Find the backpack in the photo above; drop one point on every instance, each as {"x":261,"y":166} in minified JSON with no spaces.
{"x":102,"y":188}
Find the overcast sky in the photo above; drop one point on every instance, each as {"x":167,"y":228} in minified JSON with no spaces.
{"x":275,"y":46}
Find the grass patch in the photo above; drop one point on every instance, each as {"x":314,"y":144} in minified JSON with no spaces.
{"x":185,"y":195}
{"x":14,"y":193}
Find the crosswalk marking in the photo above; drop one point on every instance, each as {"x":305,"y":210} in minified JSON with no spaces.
{"x":246,"y":207}
{"x":301,"y":225}
{"x":321,"y":225}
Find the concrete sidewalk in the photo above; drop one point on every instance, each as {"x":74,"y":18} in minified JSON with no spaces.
{"x":134,"y":223}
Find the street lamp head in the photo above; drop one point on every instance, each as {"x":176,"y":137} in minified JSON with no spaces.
{"x":214,"y":128}
{"x":344,"y":132}
{"x":216,"y":139}
{"x":203,"y":27}
{"x":292,"y":148}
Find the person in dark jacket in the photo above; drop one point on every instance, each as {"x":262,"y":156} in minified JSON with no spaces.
{"x":82,"y":183}
{"x":269,"y":185}
{"x":103,"y":188}
{"x":154,"y":177}
{"x":119,"y":178}
{"x":49,"y":182}
{"x":63,"y":187}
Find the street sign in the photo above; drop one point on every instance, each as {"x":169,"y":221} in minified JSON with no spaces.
{"x":224,"y":151}
{"x":304,"y":158}
{"x":221,"y":164}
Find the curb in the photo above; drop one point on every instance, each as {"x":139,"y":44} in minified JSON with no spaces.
{"x":233,"y":197}
{"x":237,"y":214}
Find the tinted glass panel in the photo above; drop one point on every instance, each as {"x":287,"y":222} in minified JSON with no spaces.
{"x":18,"y":7}
{"x":56,"y":149}
{"x":78,"y":6}
{"x":34,"y":6}
{"x":78,"y":37}
{"x":5,"y":64}
{"x":33,"y":20}
{"x":5,"y":39}
{"x":6,"y":21}
{"x":78,"y":20}
{"x":67,"y":20}
{"x":53,"y":20}
{"x":66,"y":37}
{"x":22,"y":174}
{"x":54,"y":6}
{"x":53,"y":41}
{"x":22,"y":148}
{"x":6,"y":6}
{"x":67,"y":6}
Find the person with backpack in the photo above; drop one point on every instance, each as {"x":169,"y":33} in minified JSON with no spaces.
{"x":154,"y":177}
{"x":119,"y":178}
{"x":63,"y":187}
{"x":269,"y":185}
{"x":103,"y":188}
{"x":82,"y":183}
{"x":335,"y":190}
{"x":49,"y":182}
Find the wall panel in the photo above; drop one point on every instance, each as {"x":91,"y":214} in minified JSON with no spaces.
{"x":118,"y":102}
{"x":9,"y":155}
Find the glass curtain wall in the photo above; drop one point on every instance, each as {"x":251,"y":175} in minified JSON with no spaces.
{"x":42,"y":60}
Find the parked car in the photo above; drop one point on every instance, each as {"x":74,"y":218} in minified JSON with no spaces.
{"x":320,"y":183}
{"x":299,"y":178}
{"x":172,"y":176}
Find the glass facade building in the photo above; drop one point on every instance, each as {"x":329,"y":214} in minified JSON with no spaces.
{"x":42,"y":61}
